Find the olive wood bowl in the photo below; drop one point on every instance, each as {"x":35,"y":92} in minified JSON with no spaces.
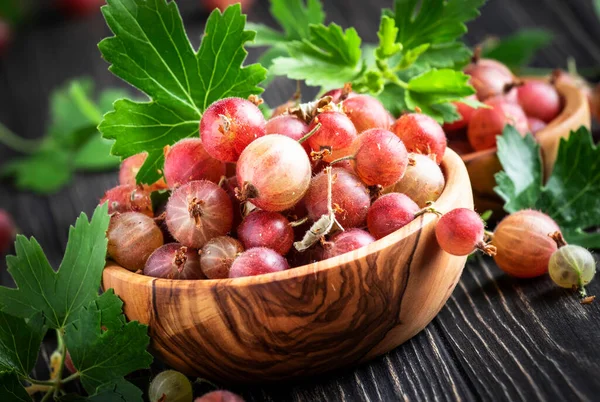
{"x":483,"y":165}
{"x":307,"y":320}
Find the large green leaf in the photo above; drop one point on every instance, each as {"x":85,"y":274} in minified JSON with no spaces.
{"x":20,"y":342}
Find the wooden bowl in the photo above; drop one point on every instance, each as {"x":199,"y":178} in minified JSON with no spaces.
{"x":307,"y":320}
{"x":482,"y":165}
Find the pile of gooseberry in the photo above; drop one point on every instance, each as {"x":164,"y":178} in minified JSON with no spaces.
{"x":242,"y":196}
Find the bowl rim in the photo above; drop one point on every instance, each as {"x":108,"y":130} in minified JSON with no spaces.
{"x":573,"y":99}
{"x":455,"y":174}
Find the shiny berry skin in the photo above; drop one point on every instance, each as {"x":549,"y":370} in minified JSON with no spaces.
{"x":228,"y":126}
{"x":257,"y":261}
{"x":465,"y":111}
{"x":219,"y":396}
{"x":535,"y":125}
{"x":132,"y":238}
{"x":524,"y":247}
{"x":217,"y":256}
{"x":346,"y":241}
{"x":290,"y":126}
{"x":126,"y":198}
{"x":336,"y":134}
{"x":380,"y":157}
{"x":389,"y":213}
{"x":7,"y":231}
{"x":350,"y":198}
{"x":336,"y":94}
{"x":129,"y":170}
{"x":366,"y":113}
{"x":170,"y":386}
{"x":273,"y":173}
{"x":421,"y":134}
{"x":489,"y":78}
{"x":197,"y":212}
{"x":187,"y":161}
{"x":486,"y":124}
{"x":460,"y":231}
{"x":422,"y":182}
{"x":174,"y":261}
{"x":540,"y":100}
{"x":266,"y":229}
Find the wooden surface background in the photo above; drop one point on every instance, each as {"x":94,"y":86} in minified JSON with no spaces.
{"x":498,"y":338}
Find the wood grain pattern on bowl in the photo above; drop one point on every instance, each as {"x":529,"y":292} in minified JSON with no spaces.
{"x":307,"y":320}
{"x":482,"y":165}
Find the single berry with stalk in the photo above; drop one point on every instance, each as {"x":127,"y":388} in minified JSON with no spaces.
{"x":174,"y":261}
{"x":132,"y":238}
{"x":273,"y":173}
{"x":540,"y":100}
{"x":523,"y":245}
{"x":197,"y":212}
{"x":217,"y":256}
{"x":228,"y":126}
{"x":421,"y":134}
{"x":423,"y":181}
{"x":487,"y":124}
{"x":461,"y":231}
{"x":488,"y":77}
{"x":390,"y":213}
{"x":333,"y":138}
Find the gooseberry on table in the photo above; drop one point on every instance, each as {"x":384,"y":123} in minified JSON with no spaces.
{"x":461,"y":231}
{"x":171,"y":386}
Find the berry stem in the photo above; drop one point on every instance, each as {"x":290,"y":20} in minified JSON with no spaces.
{"x":310,"y":133}
{"x":428,"y":209}
{"x":558,"y":238}
{"x":299,"y":222}
{"x":343,"y":158}
{"x":16,"y":143}
{"x":486,"y":248}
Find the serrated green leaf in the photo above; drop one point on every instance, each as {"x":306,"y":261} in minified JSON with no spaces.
{"x":411,"y":55}
{"x":453,"y":55}
{"x":572,"y":194}
{"x":105,"y":356}
{"x":44,"y":172}
{"x":20,"y":342}
{"x":295,"y":16}
{"x":58,"y":295}
{"x":393,"y":99}
{"x":520,"y":182}
{"x":11,"y":388}
{"x":387,"y":39}
{"x":330,"y":59}
{"x":95,"y":155}
{"x":371,"y":82}
{"x":448,"y":84}
{"x":433,"y":21}
{"x":150,"y":50}
{"x":265,"y":36}
{"x":518,"y":49}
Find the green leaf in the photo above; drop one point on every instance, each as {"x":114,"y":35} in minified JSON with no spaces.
{"x":44,"y":172}
{"x":393,"y":99}
{"x":295,"y":16}
{"x":411,"y":55}
{"x":453,"y":55}
{"x":330,"y":59}
{"x":372,"y":82}
{"x":150,"y":50}
{"x":265,"y":36}
{"x":434,"y":21}
{"x":520,"y":182}
{"x":20,"y":342}
{"x":58,"y":295}
{"x":118,"y":391}
{"x":11,"y":389}
{"x":518,"y":49}
{"x":571,"y":195}
{"x":106,"y":356}
{"x":387,"y":39}
{"x":431,"y":91}
{"x":95,"y":155}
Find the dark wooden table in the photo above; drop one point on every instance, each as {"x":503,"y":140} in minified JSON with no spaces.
{"x":497,"y":338}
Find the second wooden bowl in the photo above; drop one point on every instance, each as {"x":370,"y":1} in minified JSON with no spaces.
{"x":307,"y":320}
{"x":483,"y":165}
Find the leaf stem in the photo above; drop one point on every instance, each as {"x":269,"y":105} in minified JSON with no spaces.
{"x":47,"y":396}
{"x":87,"y":107}
{"x":72,"y":377}
{"x":343,"y":158}
{"x":39,"y":382}
{"x":62,"y":349}
{"x":35,"y":388}
{"x":17,"y":143}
